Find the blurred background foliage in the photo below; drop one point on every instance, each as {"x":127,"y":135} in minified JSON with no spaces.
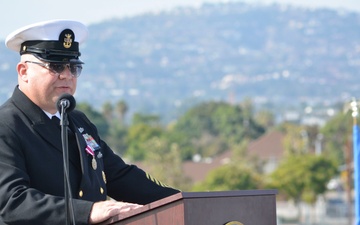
{"x":211,"y":128}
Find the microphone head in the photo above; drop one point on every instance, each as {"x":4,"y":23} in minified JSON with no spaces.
{"x":67,"y":101}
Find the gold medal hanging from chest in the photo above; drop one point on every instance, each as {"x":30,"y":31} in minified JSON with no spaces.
{"x":94,"y":163}
{"x":92,"y":153}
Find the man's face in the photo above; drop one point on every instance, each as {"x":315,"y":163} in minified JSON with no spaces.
{"x":42,"y":85}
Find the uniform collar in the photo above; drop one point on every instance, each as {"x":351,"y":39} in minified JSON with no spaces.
{"x":57,"y":114}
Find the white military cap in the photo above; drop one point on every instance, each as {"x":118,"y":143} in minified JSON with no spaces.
{"x":51,"y":41}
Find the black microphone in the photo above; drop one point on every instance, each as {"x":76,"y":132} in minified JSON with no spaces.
{"x":67,"y":102}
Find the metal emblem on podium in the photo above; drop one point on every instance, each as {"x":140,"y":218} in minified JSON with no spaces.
{"x":233,"y":223}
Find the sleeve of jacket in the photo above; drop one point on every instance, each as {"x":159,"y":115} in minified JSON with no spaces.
{"x":131,"y":184}
{"x":21,"y":204}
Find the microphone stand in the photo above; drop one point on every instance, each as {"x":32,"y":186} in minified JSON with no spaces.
{"x":69,"y":209}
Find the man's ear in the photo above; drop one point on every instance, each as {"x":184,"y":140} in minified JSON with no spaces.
{"x":22,"y":71}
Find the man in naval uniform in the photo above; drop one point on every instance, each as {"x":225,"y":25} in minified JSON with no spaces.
{"x":31,"y":157}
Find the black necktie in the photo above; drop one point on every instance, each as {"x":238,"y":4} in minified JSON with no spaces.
{"x":55,"y":120}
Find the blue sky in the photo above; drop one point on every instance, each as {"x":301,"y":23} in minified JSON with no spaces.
{"x":15,"y":13}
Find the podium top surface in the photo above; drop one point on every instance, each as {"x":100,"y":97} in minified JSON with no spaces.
{"x":214,"y":194}
{"x":208,"y":194}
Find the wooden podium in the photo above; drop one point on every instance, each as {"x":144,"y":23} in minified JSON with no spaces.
{"x":247,"y":207}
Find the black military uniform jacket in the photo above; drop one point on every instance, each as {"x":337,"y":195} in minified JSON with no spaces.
{"x":31,"y":168}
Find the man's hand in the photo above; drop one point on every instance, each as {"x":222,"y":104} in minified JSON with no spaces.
{"x":104,"y":210}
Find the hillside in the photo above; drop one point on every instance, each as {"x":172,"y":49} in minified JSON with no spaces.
{"x":281,"y":57}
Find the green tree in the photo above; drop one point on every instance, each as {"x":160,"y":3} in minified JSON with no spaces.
{"x":265,"y":118}
{"x":296,"y":141}
{"x":152,"y":120}
{"x":337,"y":133}
{"x":232,"y":176}
{"x":182,"y":141}
{"x":107,"y":111}
{"x":216,"y":120}
{"x":234,"y":124}
{"x":303,"y":177}
{"x":96,"y":118}
{"x":164,"y":162}
{"x":208,"y":145}
{"x":143,"y":128}
{"x":121,"y":109}
{"x":247,"y":107}
{"x":117,"y":138}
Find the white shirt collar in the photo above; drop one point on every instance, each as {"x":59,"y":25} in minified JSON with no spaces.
{"x":57,"y":114}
